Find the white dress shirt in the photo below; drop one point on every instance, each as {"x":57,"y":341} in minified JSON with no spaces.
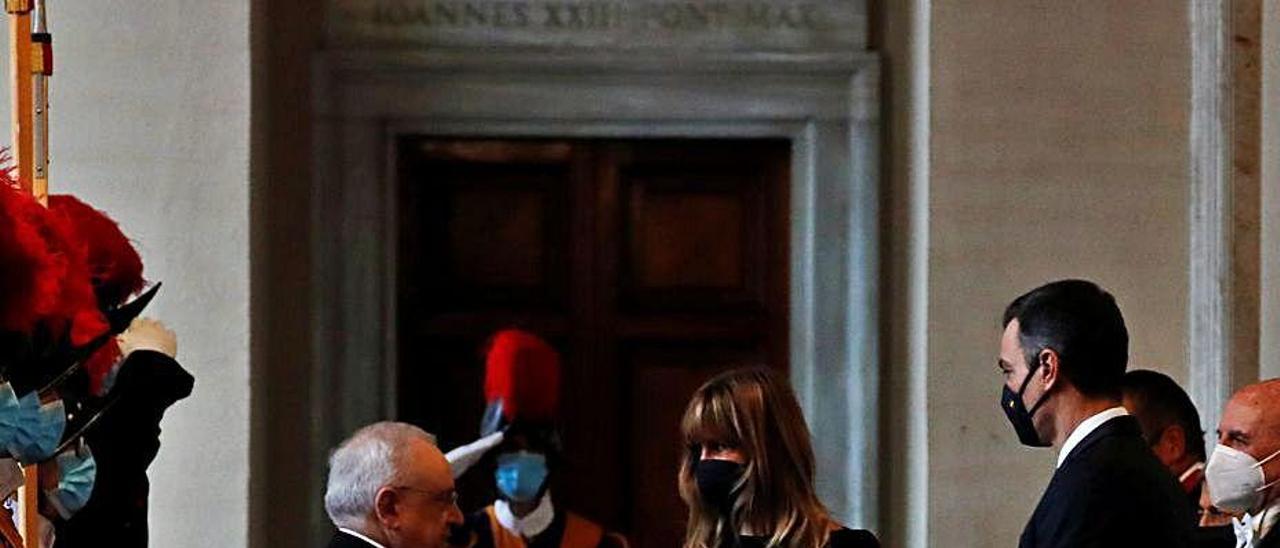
{"x":1087,"y":427}
{"x":361,"y":536}
{"x":1251,"y":528}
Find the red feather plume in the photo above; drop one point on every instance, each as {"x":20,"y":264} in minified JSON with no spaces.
{"x":114,"y":265}
{"x":44,"y":272}
{"x":28,"y":272}
{"x":77,"y":306}
{"x":57,"y":264}
{"x":524,"y":371}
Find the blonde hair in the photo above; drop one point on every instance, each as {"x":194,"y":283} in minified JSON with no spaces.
{"x":754,"y":411}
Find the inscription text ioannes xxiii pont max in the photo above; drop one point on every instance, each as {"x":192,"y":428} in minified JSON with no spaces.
{"x":805,"y":25}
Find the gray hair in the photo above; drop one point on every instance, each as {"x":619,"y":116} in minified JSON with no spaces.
{"x":369,"y":460}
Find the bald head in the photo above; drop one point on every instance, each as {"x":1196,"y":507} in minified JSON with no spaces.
{"x":1252,"y":417}
{"x":1261,"y":395}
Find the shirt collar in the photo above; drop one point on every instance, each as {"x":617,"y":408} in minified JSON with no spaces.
{"x":531,"y":525}
{"x":1087,"y":427}
{"x":361,"y":536}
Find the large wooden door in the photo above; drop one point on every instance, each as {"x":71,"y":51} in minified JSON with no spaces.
{"x":649,"y":264}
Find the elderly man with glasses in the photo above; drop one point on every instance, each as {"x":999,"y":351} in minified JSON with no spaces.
{"x":390,"y":487}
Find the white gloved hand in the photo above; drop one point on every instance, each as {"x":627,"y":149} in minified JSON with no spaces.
{"x":148,"y":334}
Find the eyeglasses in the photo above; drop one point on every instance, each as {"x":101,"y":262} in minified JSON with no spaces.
{"x":448,"y":498}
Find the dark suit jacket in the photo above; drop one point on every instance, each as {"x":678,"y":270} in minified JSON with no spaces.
{"x":343,"y":540}
{"x":1218,"y":536}
{"x":1111,"y":491}
{"x":1272,"y":540}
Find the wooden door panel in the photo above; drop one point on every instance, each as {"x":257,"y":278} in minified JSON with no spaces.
{"x":486,"y":230}
{"x":497,"y":237}
{"x":695,"y":226}
{"x":667,"y":251}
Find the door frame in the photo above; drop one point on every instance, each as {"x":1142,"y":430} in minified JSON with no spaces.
{"x":827,"y":105}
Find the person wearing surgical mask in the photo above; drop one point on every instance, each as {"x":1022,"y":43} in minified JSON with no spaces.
{"x":1063,"y":356}
{"x":1244,"y":469}
{"x":520,"y":447}
{"x":525,"y":512}
{"x":747,"y":475}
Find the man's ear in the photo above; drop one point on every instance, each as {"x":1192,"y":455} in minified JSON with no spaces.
{"x":386,"y":507}
{"x":1049,"y":367}
{"x":1172,"y":444}
{"x":1174,"y":438}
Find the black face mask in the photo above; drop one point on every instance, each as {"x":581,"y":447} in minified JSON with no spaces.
{"x":1018,"y":414}
{"x":716,"y":482}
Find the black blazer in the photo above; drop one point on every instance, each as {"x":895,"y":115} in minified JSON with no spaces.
{"x":1218,"y":536}
{"x":1111,"y":491}
{"x":343,"y":540}
{"x":1272,"y":540}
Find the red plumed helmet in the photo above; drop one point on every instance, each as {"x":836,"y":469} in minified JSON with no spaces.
{"x":115,"y":268}
{"x":522,"y":371}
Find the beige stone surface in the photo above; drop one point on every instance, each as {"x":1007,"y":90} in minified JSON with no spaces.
{"x":1058,"y":150}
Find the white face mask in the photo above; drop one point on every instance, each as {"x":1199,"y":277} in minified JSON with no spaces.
{"x":1235,"y":479}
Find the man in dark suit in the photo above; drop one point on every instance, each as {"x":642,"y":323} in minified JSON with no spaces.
{"x":1063,"y":355}
{"x":390,"y":487}
{"x":1243,"y":471}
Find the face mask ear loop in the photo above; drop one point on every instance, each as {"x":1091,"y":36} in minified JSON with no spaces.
{"x":1027,"y":380}
{"x":1023,"y":390}
{"x":1259,"y":466}
{"x":1268,"y":459}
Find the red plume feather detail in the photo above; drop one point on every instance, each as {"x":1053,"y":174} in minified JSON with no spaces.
{"x":29,"y":278}
{"x":44,"y":272}
{"x":524,"y":372}
{"x":114,"y":265}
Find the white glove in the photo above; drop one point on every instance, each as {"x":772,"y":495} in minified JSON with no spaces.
{"x":148,"y":334}
{"x":466,"y":456}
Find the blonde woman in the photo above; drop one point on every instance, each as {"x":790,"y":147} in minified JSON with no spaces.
{"x":747,"y":474}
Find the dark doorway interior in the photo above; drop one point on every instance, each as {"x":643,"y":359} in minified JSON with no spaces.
{"x":649,"y":264}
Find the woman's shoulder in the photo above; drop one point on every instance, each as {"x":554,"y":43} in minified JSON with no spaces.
{"x":852,"y":538}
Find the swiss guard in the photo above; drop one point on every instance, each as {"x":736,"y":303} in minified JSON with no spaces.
{"x":518,"y":436}
{"x":83,"y":380}
{"x":130,"y":382}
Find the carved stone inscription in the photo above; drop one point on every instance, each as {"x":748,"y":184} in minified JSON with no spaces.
{"x":815,"y":25}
